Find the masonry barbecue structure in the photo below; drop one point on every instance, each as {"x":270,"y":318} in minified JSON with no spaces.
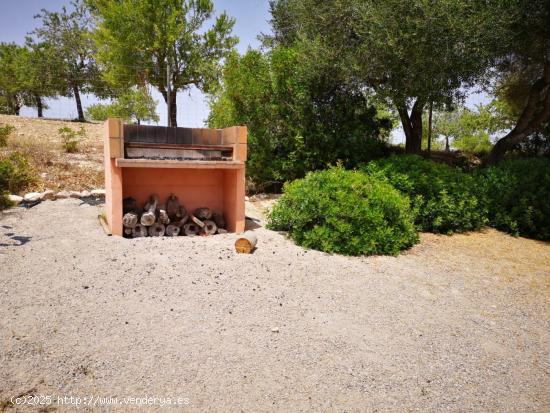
{"x":202,"y":168}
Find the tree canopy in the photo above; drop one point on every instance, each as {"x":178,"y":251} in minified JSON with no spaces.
{"x":139,"y":42}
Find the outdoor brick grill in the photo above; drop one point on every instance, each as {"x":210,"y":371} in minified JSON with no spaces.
{"x":203,"y":168}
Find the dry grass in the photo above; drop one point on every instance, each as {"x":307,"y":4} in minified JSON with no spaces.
{"x":40,"y":142}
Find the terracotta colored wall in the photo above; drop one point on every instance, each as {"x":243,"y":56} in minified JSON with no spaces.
{"x":194,"y":187}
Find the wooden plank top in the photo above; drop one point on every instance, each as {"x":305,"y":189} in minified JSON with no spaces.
{"x":170,"y":163}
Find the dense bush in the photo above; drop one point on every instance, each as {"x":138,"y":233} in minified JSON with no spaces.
{"x":444,"y":199}
{"x":346,"y":212}
{"x":517,"y":194}
{"x":15,"y":175}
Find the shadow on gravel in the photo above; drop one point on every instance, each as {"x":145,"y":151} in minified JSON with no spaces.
{"x":92,"y":201}
{"x":20,"y":239}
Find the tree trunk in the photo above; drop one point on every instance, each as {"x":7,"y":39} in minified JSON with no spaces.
{"x":447,"y":146}
{"x":430,"y":128}
{"x":39,"y":106}
{"x":412,"y":126}
{"x":173,"y":109}
{"x":76,"y":93}
{"x":535,"y":113}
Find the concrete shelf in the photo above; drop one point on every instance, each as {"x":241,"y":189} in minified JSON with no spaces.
{"x":170,"y":163}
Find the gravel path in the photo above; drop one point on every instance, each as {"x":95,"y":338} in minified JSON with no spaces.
{"x":458,"y":323}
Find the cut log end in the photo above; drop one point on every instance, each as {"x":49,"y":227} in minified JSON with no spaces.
{"x":139,"y":231}
{"x":191,"y":229}
{"x":130,"y":219}
{"x":246,"y":243}
{"x":156,"y":230}
{"x":209,"y":228}
{"x":172,"y":230}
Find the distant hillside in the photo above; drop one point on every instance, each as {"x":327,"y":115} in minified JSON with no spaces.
{"x":40,"y":142}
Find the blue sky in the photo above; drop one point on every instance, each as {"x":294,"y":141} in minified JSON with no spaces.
{"x":17,"y":19}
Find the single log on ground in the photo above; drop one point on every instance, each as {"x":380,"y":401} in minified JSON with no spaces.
{"x":148,"y":217}
{"x":157,"y":230}
{"x":139,"y":231}
{"x":163,"y":217}
{"x":210,"y":227}
{"x":246,"y":243}
{"x":222,"y":231}
{"x":172,"y":230}
{"x":197,"y":221}
{"x":203,"y":213}
{"x":218,"y":218}
{"x":130,"y":219}
{"x":191,"y":229}
{"x":129,"y":204}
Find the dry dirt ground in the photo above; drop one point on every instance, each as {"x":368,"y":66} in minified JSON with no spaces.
{"x":457,"y":323}
{"x":40,"y":142}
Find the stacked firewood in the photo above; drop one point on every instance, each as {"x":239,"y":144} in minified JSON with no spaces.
{"x":170,"y":219}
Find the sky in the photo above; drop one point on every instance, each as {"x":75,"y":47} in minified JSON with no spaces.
{"x":252,"y":16}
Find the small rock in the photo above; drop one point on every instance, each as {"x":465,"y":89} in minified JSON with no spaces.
{"x":274,"y":329}
{"x":16,"y":199}
{"x":48,"y":194}
{"x":32,"y":197}
{"x":85,"y":194}
{"x":62,"y":195}
{"x":75,"y":194}
{"x":98,"y":193}
{"x":246,"y":198}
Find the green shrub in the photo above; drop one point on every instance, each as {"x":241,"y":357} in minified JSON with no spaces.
{"x":444,"y":199}
{"x":71,"y":138}
{"x":517,"y":194}
{"x":345,"y":212}
{"x":15,"y":175}
{"x":5,"y":132}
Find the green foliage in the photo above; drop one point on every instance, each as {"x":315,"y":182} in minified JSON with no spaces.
{"x":138,"y":39}
{"x":300,"y":118}
{"x":71,"y":64}
{"x":70,"y":138}
{"x":410,"y":52}
{"x":345,"y":212}
{"x":445,"y":199}
{"x":15,"y":175}
{"x":5,"y":132}
{"x":135,"y":105}
{"x":12,"y":93}
{"x":517,"y":192}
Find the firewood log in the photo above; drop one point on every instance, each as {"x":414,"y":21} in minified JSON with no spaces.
{"x":183,"y":220}
{"x":174,"y":209}
{"x":191,"y":229}
{"x":246,"y":242}
{"x":203,"y":213}
{"x":148,"y":218}
{"x":222,"y":231}
{"x":130,"y":219}
{"x":139,"y":231}
{"x":156,"y":230}
{"x":209,"y":228}
{"x":163,"y":217}
{"x":129,"y":204}
{"x":197,"y":221}
{"x":172,"y":230}
{"x":128,"y":231}
{"x":218,"y":218}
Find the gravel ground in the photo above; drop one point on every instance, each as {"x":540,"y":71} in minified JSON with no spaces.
{"x":458,"y":323}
